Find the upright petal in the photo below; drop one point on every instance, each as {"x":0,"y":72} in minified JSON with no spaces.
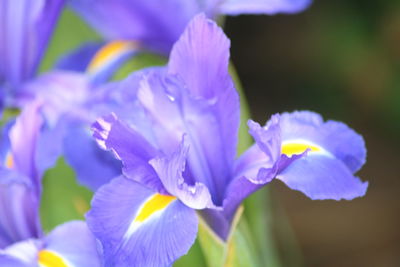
{"x":270,"y":7}
{"x":19,"y":215}
{"x":156,"y":24}
{"x":201,"y":58}
{"x":24,"y":33}
{"x":71,"y":243}
{"x":139,"y":227}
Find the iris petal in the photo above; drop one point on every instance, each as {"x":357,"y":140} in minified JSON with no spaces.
{"x":157,"y":241}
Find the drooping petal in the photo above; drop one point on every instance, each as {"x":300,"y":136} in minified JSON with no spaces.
{"x":333,"y":152}
{"x":270,"y":7}
{"x":92,"y":165}
{"x":130,"y":147}
{"x":21,"y":254}
{"x":156,"y":24}
{"x":321,"y":177}
{"x":19,"y":215}
{"x":170,"y":170}
{"x":24,"y":33}
{"x":139,"y":227}
{"x":71,"y":243}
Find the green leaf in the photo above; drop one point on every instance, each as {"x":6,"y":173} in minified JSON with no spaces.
{"x":62,"y":198}
{"x":237,"y":251}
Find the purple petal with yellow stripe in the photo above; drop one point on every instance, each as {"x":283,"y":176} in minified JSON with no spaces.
{"x":109,"y":58}
{"x":146,"y":229}
{"x":68,"y":245}
{"x":327,"y":154}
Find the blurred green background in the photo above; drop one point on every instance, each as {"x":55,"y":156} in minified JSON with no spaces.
{"x":340,"y":58}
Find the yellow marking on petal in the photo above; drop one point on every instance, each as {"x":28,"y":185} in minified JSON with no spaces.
{"x":155,"y":203}
{"x":109,"y":52}
{"x":47,"y":258}
{"x":295,"y":148}
{"x":9,"y":162}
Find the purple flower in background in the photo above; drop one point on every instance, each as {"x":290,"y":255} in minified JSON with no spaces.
{"x":20,"y":185}
{"x":157,"y":24}
{"x":25,"y":30}
{"x":183,"y":158}
{"x":21,"y":238}
{"x":70,"y":244}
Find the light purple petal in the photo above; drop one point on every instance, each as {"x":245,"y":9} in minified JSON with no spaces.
{"x":24,"y":33}
{"x":156,"y":24}
{"x":157,"y":241}
{"x":170,"y":170}
{"x":21,"y":254}
{"x":19,"y":213}
{"x":321,"y":177}
{"x":74,"y":242}
{"x":335,"y":137}
{"x":130,"y":147}
{"x":270,"y":7}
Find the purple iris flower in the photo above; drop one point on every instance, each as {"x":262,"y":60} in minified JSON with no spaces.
{"x":25,"y":30}
{"x":157,"y":24}
{"x":183,"y":158}
{"x":22,"y":242}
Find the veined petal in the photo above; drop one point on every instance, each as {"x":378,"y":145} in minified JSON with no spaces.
{"x":139,"y":227}
{"x":130,"y":147}
{"x":156,"y":24}
{"x":19,"y":215}
{"x":270,"y":7}
{"x":68,"y":245}
{"x":170,"y":170}
{"x":201,"y":58}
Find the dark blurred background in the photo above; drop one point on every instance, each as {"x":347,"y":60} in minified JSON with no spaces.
{"x":341,"y":59}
